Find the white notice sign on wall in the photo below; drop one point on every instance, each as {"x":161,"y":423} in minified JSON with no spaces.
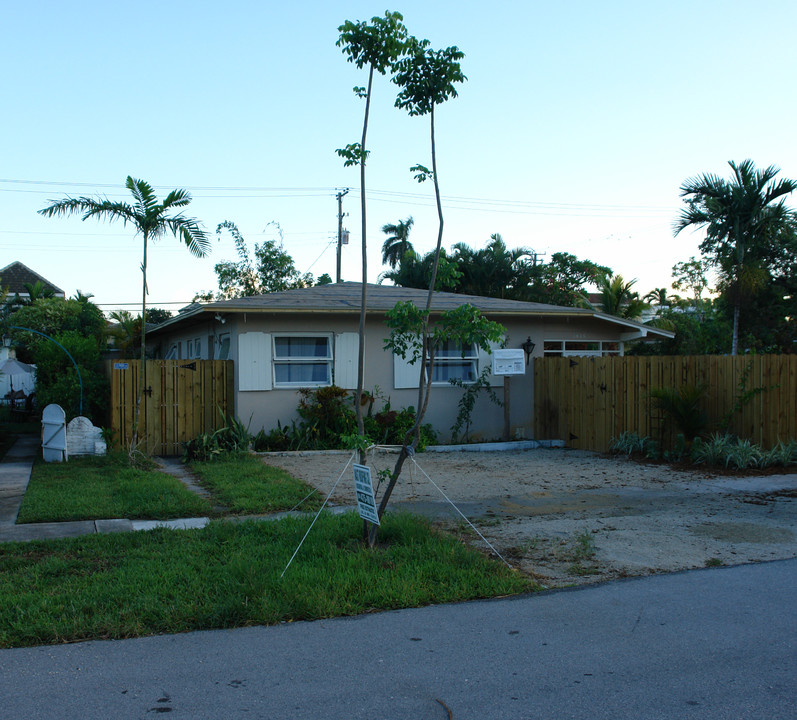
{"x":509,"y":362}
{"x":366,"y":503}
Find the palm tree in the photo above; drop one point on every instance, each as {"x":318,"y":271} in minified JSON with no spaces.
{"x":618,"y":299}
{"x":36,"y":291}
{"x":398,"y":242}
{"x":745,"y":219}
{"x":658,"y":296}
{"x":150,"y":219}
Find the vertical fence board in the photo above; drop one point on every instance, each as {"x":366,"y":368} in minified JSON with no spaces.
{"x":182,"y":404}
{"x":586,"y":401}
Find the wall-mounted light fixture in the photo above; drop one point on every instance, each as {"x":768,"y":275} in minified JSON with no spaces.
{"x":528,"y":348}
{"x":220,"y":318}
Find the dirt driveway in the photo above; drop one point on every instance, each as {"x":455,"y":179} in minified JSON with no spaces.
{"x":572,"y":517}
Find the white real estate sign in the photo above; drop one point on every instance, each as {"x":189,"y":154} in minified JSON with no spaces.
{"x":366,"y":502}
{"x":509,"y":362}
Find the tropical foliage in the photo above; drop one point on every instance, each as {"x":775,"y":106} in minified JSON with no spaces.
{"x":498,"y":271}
{"x":79,"y":327}
{"x":150,"y":219}
{"x":751,"y":240}
{"x":617,"y":298}
{"x":271,"y":270}
{"x":397,"y":244}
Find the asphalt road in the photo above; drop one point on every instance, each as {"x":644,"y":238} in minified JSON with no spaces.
{"x":715,"y":643}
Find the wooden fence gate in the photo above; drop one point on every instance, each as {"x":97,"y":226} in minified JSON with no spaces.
{"x":588,"y":401}
{"x":182,"y":399}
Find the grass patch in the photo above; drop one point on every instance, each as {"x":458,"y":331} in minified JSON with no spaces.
{"x":244,"y":484}
{"x":95,"y":488}
{"x":228,"y":575}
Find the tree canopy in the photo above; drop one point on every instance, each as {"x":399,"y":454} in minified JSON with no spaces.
{"x":498,"y":271}
{"x":750,"y":239}
{"x":271,"y":270}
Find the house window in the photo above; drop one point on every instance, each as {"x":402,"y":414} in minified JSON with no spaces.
{"x":223,"y":350}
{"x":194,"y":349}
{"x":172,"y":354}
{"x":582,"y":348}
{"x":452,"y":361}
{"x":302,"y":361}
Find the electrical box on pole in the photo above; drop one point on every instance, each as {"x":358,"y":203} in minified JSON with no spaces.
{"x":343,"y":237}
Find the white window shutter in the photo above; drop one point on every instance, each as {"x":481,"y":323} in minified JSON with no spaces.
{"x":347,"y":346}
{"x":405,"y":375}
{"x":485,"y":359}
{"x":254,"y":361}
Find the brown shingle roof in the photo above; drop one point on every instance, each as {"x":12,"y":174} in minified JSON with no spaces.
{"x":15,"y":275}
{"x":345,"y":297}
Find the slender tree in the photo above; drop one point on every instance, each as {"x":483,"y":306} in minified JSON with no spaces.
{"x":397,"y":244}
{"x":150,"y":219}
{"x":746,"y":222}
{"x":691,"y":275}
{"x":426,"y":78}
{"x":375,"y":45}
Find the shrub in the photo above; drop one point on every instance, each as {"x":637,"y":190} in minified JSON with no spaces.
{"x":328,"y":422}
{"x":782,"y":455}
{"x":629,"y":443}
{"x":681,"y":407}
{"x":233,"y":437}
{"x":327,"y":414}
{"x":712,"y":451}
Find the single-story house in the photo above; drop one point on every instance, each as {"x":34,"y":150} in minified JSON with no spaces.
{"x":284,"y":341}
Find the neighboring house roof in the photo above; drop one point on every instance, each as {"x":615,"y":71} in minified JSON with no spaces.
{"x":345,"y":298}
{"x":16,"y":275}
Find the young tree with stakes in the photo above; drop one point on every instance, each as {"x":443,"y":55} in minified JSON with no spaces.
{"x":377,"y":45}
{"x":427,"y":78}
{"x":150,"y":219}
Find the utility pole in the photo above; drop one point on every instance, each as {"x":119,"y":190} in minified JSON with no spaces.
{"x":340,"y":196}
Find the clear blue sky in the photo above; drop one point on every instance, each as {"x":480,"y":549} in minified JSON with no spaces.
{"x":577,"y":125}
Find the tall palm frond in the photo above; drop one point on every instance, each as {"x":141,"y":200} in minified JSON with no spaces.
{"x":152,"y":221}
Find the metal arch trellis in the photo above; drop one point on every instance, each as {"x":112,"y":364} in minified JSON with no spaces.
{"x":77,"y":370}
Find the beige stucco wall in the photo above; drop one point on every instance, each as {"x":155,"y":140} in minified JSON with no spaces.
{"x":266,"y":407}
{"x":262,"y":409}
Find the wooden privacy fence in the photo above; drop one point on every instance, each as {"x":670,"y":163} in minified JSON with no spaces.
{"x":588,"y":401}
{"x":182,"y":399}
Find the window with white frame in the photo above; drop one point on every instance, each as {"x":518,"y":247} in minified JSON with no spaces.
{"x":453,"y":361}
{"x":582,"y":348}
{"x":302,"y":360}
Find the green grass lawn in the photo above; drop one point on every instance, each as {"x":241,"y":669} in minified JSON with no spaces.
{"x":96,"y":488}
{"x":244,"y":484}
{"x":228,"y":575}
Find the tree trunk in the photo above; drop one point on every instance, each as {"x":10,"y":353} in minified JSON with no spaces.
{"x":364,"y":295}
{"x":425,"y":378}
{"x":142,"y":372}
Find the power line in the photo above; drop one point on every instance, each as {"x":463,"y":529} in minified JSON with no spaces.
{"x":529,"y":206}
